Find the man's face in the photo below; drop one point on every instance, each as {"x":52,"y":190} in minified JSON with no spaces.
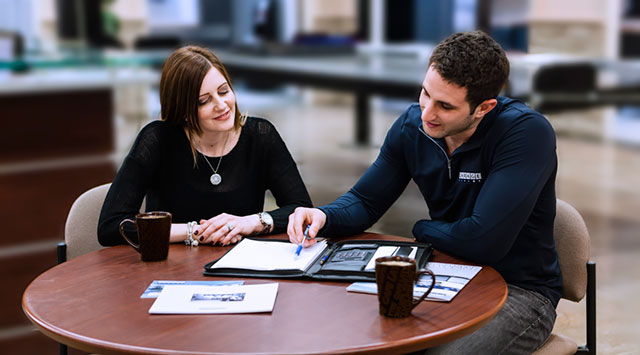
{"x":445,"y":110}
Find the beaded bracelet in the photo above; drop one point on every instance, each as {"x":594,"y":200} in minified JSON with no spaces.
{"x":190,"y":241}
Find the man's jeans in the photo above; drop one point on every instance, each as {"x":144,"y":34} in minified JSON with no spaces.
{"x":523,"y":325}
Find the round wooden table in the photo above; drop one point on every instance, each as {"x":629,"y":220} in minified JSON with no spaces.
{"x":93,"y":303}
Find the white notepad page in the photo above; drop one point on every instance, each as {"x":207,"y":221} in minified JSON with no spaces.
{"x":265,"y":255}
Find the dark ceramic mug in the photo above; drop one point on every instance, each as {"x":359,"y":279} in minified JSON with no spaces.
{"x":395,"y":277}
{"x":154,"y":229}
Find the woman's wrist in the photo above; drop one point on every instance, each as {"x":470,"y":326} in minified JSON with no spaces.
{"x":266,"y":223}
{"x":255,"y":224}
{"x":178,"y":232}
{"x":190,"y":233}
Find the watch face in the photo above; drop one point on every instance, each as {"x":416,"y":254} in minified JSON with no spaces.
{"x":267,"y":218}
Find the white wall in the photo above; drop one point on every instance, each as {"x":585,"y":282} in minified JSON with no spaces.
{"x":580,"y":27}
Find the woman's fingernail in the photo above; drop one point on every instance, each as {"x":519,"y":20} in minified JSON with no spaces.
{"x":196,"y":232}
{"x":201,"y":238}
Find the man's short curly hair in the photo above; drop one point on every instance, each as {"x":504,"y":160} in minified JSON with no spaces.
{"x":472,"y":60}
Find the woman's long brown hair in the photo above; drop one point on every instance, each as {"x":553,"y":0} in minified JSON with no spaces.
{"x":182,"y":75}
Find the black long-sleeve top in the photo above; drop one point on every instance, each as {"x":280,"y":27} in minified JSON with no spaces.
{"x":160,"y":168}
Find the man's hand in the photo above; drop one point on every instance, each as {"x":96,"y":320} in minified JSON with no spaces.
{"x":299,"y":220}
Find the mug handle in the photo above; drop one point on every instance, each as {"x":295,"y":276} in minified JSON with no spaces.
{"x":433,"y":283}
{"x":124,"y":235}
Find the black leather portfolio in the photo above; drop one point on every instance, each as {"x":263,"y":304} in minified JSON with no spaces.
{"x":348,"y":261}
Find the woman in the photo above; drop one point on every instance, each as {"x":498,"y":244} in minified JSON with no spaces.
{"x":204,"y":162}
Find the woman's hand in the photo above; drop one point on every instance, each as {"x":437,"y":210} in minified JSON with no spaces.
{"x":225,"y":229}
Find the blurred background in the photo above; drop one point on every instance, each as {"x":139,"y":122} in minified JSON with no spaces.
{"x":79,"y":78}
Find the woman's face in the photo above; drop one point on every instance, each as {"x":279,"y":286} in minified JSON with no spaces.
{"x":216,"y":103}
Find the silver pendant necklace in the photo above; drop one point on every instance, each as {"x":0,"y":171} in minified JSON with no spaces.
{"x":215,"y":178}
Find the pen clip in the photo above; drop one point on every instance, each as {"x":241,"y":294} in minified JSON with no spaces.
{"x":306,"y":234}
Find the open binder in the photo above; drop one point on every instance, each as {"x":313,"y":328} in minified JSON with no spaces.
{"x":348,"y":261}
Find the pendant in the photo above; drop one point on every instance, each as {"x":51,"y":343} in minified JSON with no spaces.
{"x":215,"y":179}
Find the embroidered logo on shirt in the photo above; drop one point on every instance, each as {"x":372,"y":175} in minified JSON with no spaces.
{"x":469,"y":177}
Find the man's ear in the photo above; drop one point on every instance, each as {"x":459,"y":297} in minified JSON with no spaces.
{"x":484,"y":107}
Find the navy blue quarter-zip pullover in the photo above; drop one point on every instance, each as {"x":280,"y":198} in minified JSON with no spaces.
{"x":491,"y":202}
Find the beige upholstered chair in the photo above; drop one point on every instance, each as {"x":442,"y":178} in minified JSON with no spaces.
{"x":81,"y":228}
{"x":578,"y":277}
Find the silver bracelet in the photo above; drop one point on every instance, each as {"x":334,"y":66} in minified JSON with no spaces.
{"x":190,"y":241}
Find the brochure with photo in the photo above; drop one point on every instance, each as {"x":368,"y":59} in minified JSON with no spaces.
{"x":156,"y":286}
{"x":450,"y":279}
{"x":199,"y":299}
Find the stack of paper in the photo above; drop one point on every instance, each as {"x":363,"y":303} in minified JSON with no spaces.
{"x":199,"y":299}
{"x":264,"y":255}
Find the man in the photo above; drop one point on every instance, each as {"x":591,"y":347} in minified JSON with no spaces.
{"x":486,"y":166}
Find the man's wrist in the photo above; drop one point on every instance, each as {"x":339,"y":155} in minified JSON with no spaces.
{"x":325,"y":222}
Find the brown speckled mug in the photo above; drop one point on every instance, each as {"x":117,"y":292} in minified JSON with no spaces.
{"x":395,"y":277}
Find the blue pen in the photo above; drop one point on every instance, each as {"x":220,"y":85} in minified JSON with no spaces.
{"x":306,"y":234}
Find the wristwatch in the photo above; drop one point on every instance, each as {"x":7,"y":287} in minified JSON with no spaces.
{"x":267,"y":222}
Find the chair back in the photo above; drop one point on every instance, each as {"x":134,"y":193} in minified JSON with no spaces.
{"x":572,"y":243}
{"x":578,"y":278}
{"x":81,"y":228}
